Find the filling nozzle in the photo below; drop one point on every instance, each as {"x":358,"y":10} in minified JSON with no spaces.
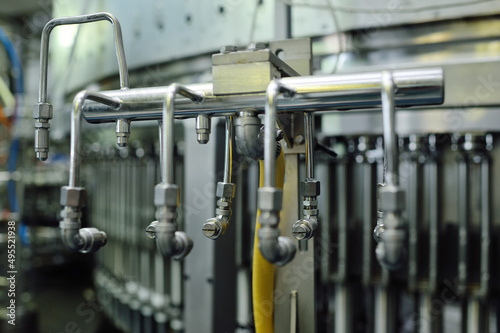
{"x":391,"y":228}
{"x":203,"y":128}
{"x":42,"y":113}
{"x":306,"y":227}
{"x":122,"y":132}
{"x":216,"y":226}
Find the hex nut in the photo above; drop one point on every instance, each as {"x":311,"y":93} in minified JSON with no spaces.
{"x":270,"y":199}
{"x":166,"y":195}
{"x":310,"y":188}
{"x":73,"y":196}
{"x":225,"y":190}
{"x":392,"y":199}
{"x":42,"y":111}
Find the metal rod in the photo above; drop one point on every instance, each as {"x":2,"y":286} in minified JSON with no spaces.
{"x":389,"y":120}
{"x":463,"y":222}
{"x":309,"y":130}
{"x":340,"y":92}
{"x":229,"y":150}
{"x":74,"y":168}
{"x":274,"y":88}
{"x":44,"y":47}
{"x":485,"y":227}
{"x":167,"y":151}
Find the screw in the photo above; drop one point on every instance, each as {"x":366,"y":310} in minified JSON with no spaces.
{"x":299,"y":139}
{"x":151,"y":230}
{"x":228,"y":48}
{"x":211,"y":229}
{"x":300,"y":232}
{"x":256,"y":46}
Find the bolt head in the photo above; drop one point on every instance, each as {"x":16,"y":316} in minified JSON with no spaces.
{"x":166,"y":195}
{"x":310,"y":187}
{"x":392,"y":199}
{"x":73,"y":196}
{"x":270,"y":199}
{"x":225,"y":190}
{"x":42,"y":111}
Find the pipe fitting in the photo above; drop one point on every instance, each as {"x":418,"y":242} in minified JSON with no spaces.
{"x":172,"y":243}
{"x":122,"y":132}
{"x":274,"y":248}
{"x":42,"y":113}
{"x":77,"y":239}
{"x":203,"y":128}
{"x":391,"y":251}
{"x":216,"y":226}
{"x":249,"y":135}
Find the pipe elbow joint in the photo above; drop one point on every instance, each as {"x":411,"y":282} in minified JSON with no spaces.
{"x":391,"y":251}
{"x":83,"y":240}
{"x":172,"y":243}
{"x":276,"y":249}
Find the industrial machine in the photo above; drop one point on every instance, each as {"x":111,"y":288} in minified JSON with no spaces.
{"x":334,"y":172}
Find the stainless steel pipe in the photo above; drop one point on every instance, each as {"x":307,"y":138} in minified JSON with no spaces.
{"x":44,"y":47}
{"x":314,"y":93}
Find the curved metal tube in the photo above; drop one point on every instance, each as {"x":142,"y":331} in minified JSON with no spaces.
{"x":172,"y":243}
{"x":216,"y":226}
{"x":274,"y":248}
{"x":81,"y":19}
{"x":42,"y":111}
{"x":76,"y":119}
{"x":390,"y":250}
{"x":73,"y":197}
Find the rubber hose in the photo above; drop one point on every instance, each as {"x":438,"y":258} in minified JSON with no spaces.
{"x":262,"y":270}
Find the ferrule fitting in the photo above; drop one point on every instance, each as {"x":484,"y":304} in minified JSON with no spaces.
{"x":42,"y":113}
{"x":75,"y":238}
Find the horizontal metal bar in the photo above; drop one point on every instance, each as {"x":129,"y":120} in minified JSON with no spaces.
{"x":314,"y":93}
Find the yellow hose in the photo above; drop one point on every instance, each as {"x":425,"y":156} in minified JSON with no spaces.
{"x":263,"y":271}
